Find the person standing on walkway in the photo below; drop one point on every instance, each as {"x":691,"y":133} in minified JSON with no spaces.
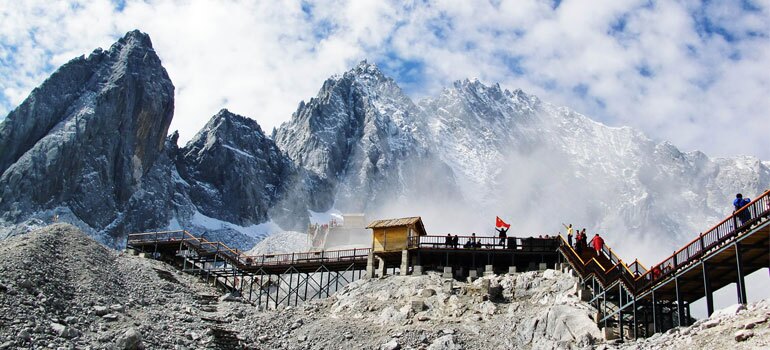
{"x":739,"y":203}
{"x":569,"y":232}
{"x":579,"y":243}
{"x":503,"y":235}
{"x":597,"y":242}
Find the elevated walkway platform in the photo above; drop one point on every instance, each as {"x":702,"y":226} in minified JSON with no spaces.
{"x":656,"y":299}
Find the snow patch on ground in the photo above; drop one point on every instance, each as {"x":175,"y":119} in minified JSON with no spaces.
{"x":282,"y":242}
{"x":255,"y":231}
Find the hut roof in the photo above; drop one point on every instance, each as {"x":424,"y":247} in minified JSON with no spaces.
{"x":415,"y":221}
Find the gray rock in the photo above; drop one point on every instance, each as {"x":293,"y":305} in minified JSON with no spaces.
{"x":417,"y":305}
{"x":445,"y":342}
{"x":110,"y":317}
{"x":230,"y":297}
{"x":754,"y":321}
{"x":743,"y":335}
{"x":24,"y":335}
{"x":131,"y":339}
{"x":26,"y":284}
{"x":391,"y":345}
{"x":101,"y":310}
{"x":711,"y":323}
{"x":64,"y":331}
{"x":427,"y":293}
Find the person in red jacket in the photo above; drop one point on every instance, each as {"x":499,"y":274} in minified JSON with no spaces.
{"x":597,"y":242}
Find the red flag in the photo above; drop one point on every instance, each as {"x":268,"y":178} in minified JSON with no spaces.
{"x":499,"y":223}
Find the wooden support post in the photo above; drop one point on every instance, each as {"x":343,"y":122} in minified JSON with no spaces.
{"x":291,"y":283}
{"x":707,"y":289}
{"x":654,"y":313}
{"x":251,"y":286}
{"x":620,"y":325}
{"x":328,"y":282}
{"x":635,"y":316}
{"x":604,"y":303}
{"x":336,"y":282}
{"x":681,"y":322}
{"x":741,"y":284}
{"x":267,"y":301}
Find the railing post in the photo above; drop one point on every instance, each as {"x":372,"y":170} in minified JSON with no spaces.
{"x":702,"y":246}
{"x":673,"y":267}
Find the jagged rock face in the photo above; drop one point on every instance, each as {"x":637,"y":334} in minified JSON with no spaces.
{"x":233,"y":171}
{"x":362,"y":140}
{"x":87,"y":138}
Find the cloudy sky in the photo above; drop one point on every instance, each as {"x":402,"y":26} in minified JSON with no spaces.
{"x":695,"y":73}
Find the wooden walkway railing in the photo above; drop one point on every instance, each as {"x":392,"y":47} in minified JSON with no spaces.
{"x":608,"y":268}
{"x":237,"y":258}
{"x":528,"y":244}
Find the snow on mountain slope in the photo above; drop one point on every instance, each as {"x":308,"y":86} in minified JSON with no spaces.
{"x":497,"y":152}
{"x":362,"y":140}
{"x":540,"y":165}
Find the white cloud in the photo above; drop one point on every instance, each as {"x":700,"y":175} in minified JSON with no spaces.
{"x":702,"y":91}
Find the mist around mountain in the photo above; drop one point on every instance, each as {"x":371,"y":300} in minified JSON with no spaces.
{"x":89,"y":147}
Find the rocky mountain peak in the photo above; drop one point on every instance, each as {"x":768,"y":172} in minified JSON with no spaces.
{"x":232,"y":171}
{"x":84,"y":140}
{"x":136,"y":38}
{"x":235,"y":127}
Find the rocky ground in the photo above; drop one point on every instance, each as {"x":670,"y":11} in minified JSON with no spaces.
{"x":735,"y":327}
{"x":528,"y":310}
{"x":60,"y":289}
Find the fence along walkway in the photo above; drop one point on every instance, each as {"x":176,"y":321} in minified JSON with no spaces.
{"x":608,"y":268}
{"x":660,"y":297}
{"x":267,"y":280}
{"x":157,"y":242}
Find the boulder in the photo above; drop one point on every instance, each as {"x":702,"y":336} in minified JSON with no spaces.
{"x":131,"y":339}
{"x":101,"y":310}
{"x":743,"y":335}
{"x":391,"y":345}
{"x":446,"y":342}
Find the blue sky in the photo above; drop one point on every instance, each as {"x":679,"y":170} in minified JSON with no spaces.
{"x":677,"y":71}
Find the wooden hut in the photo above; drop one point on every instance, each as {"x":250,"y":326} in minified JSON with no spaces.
{"x":394,"y":234}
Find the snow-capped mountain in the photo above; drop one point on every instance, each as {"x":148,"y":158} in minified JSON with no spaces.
{"x":89,"y":146}
{"x":363,"y":142}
